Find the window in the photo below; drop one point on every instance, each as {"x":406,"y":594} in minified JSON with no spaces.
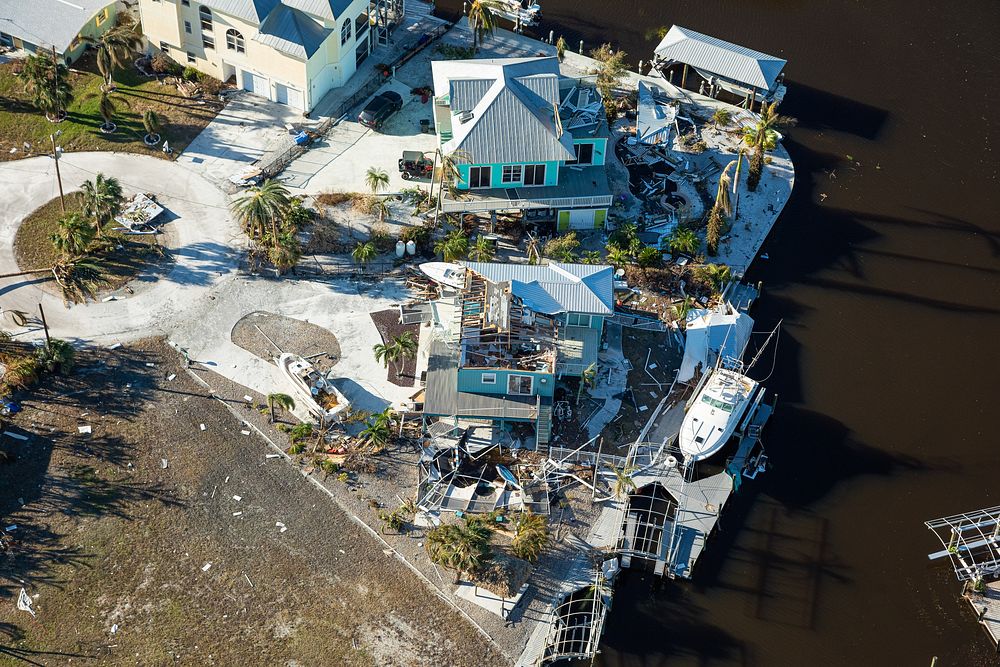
{"x":345,"y":32}
{"x":234,"y":41}
{"x":584,"y":154}
{"x":361,"y":24}
{"x":534,"y":174}
{"x":208,"y":41}
{"x":206,"y":18}
{"x":577,"y":320}
{"x":187,"y":27}
{"x":511,"y":174}
{"x":164,"y":47}
{"x":101,"y":17}
{"x":190,"y":57}
{"x":520,"y":384}
{"x":480,"y":177}
{"x":489,"y":378}
{"x":716,"y":403}
{"x":186,"y":3}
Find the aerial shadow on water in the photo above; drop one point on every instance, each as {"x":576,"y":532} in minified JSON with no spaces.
{"x":816,"y":109}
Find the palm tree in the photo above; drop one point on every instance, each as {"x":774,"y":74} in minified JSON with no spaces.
{"x":364,"y":253}
{"x":460,"y":548}
{"x":106,"y":107}
{"x":151,"y":123}
{"x":286,"y":252}
{"x":718,"y":275}
{"x":482,"y":19}
{"x":47,"y":83}
{"x":407,"y":346}
{"x":618,"y":257}
{"x":114,"y":49}
{"x":684,"y":307}
{"x":624,"y":484}
{"x":561,"y":48}
{"x":21,"y":372}
{"x":532,"y":249}
{"x":684,"y":240}
{"x":102,"y":200}
{"x":378,"y":431}
{"x":762,"y":137}
{"x":454,"y":246}
{"x":649,"y":257}
{"x":377,"y":180}
{"x":531,"y":536}
{"x":387,"y":354}
{"x":56,"y":356}
{"x":717,"y":216}
{"x":588,"y":379}
{"x":722,"y":116}
{"x":262,"y":208}
{"x":482,"y":250}
{"x":283,"y":401}
{"x":591,"y":257}
{"x":73,"y":236}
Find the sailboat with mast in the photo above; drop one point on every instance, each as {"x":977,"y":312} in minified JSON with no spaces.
{"x":719,"y":407}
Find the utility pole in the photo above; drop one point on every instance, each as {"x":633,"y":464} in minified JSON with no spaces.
{"x":45,"y":325}
{"x":55,"y":156}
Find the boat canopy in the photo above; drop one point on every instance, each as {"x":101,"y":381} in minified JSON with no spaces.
{"x":711,"y":334}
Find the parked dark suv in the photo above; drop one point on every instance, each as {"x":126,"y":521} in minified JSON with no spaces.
{"x":379,"y":109}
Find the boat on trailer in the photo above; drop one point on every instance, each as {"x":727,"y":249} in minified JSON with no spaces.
{"x":312,"y":389}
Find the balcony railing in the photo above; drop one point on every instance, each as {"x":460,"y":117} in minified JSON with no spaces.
{"x":479,"y":203}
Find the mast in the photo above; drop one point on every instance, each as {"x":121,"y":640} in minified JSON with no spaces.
{"x":764,"y":346}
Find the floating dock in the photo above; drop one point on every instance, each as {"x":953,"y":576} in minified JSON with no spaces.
{"x":986,"y":605}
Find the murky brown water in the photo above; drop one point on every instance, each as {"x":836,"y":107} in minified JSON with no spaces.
{"x":887,"y":368}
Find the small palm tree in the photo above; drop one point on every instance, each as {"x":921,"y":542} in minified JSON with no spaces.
{"x":453,"y":247}
{"x":588,"y":380}
{"x":407,"y":345}
{"x":717,"y":216}
{"x":457,"y":547}
{"x":482,"y":250}
{"x":21,"y":372}
{"x":762,"y":137}
{"x":722,"y":116}
{"x":718,"y":275}
{"x":378,"y":432}
{"x":684,"y":240}
{"x":386,"y":354}
{"x":533,"y":249}
{"x":286,"y":252}
{"x":684,"y":307}
{"x":482,"y":19}
{"x":102,"y":200}
{"x":617,"y":256}
{"x":591,"y":257}
{"x":73,"y":236}
{"x":364,"y":253}
{"x":531,"y":536}
{"x":56,"y":357}
{"x":283,"y":401}
{"x":107,"y":108}
{"x":151,"y":123}
{"x":377,"y":180}
{"x":624,"y":484}
{"x":47,"y":82}
{"x":262,"y":209}
{"x":561,"y":48}
{"x":114,"y":49}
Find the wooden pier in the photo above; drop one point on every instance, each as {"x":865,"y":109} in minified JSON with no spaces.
{"x":986,"y":606}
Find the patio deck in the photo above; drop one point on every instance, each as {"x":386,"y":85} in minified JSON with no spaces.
{"x":579,"y":187}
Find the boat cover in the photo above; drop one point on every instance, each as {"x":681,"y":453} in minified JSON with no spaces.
{"x":711,"y":333}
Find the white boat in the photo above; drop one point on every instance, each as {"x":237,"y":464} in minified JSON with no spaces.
{"x":312,"y":390}
{"x":717,"y":410}
{"x":445,"y":273}
{"x":520,"y":13}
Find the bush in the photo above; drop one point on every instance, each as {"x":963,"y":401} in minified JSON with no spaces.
{"x":296,"y":448}
{"x":300,"y":432}
{"x":333,"y":198}
{"x":562,"y":248}
{"x":190,"y":73}
{"x":649,"y":257}
{"x":381,"y":238}
{"x":209,"y":84}
{"x":419,"y":234}
{"x":161,"y":63}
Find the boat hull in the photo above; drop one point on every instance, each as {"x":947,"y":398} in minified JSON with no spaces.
{"x":715,"y":414}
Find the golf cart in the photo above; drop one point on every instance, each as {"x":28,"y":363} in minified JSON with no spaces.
{"x":414,"y":164}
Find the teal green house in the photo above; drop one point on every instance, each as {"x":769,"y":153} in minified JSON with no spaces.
{"x":42,"y":24}
{"x":523,"y":138}
{"x":501,"y":344}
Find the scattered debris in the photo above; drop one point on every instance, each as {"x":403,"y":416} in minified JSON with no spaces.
{"x":163,"y":463}
{"x":281,"y":526}
{"x":85,"y":429}
{"x":244,"y":432}
{"x":205,"y":567}
{"x":272,"y":456}
{"x":115,"y":346}
{"x":12,"y":527}
{"x":16,"y":436}
{"x":170,"y":378}
{"x":248,"y":579}
{"x":237,"y":513}
{"x":202,"y":427}
{"x":237,"y":498}
{"x":24,"y":603}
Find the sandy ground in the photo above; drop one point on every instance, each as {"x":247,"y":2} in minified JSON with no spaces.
{"x":129,"y":562}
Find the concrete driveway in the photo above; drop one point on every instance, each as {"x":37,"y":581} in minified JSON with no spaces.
{"x":339,"y":162}
{"x":203,"y":241}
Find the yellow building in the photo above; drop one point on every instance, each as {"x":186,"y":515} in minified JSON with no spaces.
{"x":289,"y":51}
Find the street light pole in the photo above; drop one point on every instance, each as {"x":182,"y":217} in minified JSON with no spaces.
{"x":55,"y":156}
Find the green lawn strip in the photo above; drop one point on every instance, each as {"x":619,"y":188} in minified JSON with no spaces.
{"x":120,"y":255}
{"x":181,"y":118}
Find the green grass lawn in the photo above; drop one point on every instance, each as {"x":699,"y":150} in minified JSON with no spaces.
{"x":181,"y":118}
{"x":121,"y":256}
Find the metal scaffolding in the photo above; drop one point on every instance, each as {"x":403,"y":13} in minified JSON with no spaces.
{"x":971,"y":541}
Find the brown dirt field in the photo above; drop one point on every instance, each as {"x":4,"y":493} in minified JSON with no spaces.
{"x":110,"y":537}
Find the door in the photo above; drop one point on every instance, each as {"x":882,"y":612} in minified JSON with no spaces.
{"x":256,"y":84}
{"x":480,"y":177}
{"x":289,"y":96}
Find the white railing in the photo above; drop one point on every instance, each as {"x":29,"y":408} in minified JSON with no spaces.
{"x":488,"y":203}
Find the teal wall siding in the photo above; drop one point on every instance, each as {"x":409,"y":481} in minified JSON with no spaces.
{"x":471,"y":380}
{"x":600,"y":148}
{"x":496,"y":175}
{"x":596,"y":321}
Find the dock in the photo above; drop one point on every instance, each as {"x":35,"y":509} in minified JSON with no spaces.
{"x":986,"y":606}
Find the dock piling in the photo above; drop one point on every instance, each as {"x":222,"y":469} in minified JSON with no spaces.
{"x":581,"y":47}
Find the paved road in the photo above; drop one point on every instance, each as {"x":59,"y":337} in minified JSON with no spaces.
{"x":204,"y":242}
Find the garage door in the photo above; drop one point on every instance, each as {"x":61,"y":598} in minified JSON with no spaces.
{"x":289,"y":96}
{"x":256,"y":84}
{"x":578,"y":218}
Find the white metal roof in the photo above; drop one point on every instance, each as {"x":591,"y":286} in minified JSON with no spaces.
{"x":48,"y":22}
{"x":555,"y":287}
{"x":717,"y":56}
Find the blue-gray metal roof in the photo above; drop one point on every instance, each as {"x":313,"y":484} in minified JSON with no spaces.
{"x":514,"y":119}
{"x":720,"y":57}
{"x":256,"y":11}
{"x":654,"y":115}
{"x":292,"y":32}
{"x":555,"y":287}
{"x":48,"y":22}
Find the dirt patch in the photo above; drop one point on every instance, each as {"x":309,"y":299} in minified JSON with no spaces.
{"x":402,"y":373}
{"x":187,"y":564}
{"x":121,"y":256}
{"x":311,"y":341}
